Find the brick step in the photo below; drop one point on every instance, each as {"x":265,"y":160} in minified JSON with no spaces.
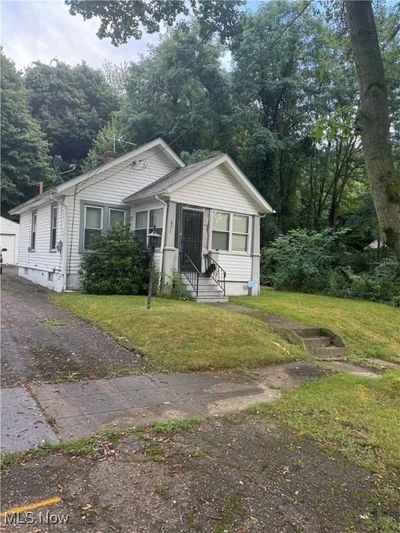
{"x":329,"y":352}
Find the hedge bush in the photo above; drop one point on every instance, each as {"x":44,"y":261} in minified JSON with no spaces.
{"x":117,"y":263}
{"x":325,"y":263}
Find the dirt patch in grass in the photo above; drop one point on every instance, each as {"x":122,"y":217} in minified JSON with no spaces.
{"x":239,"y":474}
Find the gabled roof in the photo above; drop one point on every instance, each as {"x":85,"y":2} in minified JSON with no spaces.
{"x":123,"y":159}
{"x":182,"y":176}
{"x":165,"y":182}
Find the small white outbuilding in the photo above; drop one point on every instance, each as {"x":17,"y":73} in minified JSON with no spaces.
{"x":9,"y":239}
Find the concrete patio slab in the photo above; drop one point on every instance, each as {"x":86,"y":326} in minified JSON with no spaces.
{"x":23,"y":424}
{"x":81,"y":408}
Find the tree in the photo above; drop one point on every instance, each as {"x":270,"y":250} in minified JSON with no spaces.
{"x":25,"y":158}
{"x":105,"y":140}
{"x":123,"y":20}
{"x":116,"y":75}
{"x":374,"y":121}
{"x":174,"y":93}
{"x":71,"y":104}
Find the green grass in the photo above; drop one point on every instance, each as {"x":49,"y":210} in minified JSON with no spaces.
{"x":76,"y":447}
{"x":174,"y":426}
{"x":183,"y":335}
{"x":369,"y":329}
{"x":355,"y":415}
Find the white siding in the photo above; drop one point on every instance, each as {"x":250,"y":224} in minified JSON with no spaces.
{"x":9,"y":238}
{"x":110,"y":188}
{"x":216,"y":189}
{"x":238,"y":267}
{"x":41,"y":258}
{"x":36,"y":265}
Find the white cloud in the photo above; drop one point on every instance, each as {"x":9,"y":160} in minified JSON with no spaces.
{"x":43,"y":29}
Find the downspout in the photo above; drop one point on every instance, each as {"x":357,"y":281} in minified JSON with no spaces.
{"x":65,"y":239}
{"x":163,"y":234}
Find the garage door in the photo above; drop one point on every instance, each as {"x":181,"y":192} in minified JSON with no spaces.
{"x":8,"y":241}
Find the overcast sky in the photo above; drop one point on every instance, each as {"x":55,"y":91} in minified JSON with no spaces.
{"x":43,"y":29}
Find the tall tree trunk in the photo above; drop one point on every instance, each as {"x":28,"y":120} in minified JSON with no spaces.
{"x":374,"y":121}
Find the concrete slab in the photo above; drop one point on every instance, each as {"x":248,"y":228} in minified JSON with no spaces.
{"x":22,"y":422}
{"x":81,"y":408}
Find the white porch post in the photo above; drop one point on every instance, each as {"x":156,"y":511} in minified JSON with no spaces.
{"x":170,"y":260}
{"x":255,"y":257}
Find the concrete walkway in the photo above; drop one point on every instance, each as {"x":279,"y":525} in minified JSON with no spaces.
{"x":52,"y":412}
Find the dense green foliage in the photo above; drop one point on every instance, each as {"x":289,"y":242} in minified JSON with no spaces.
{"x":327,"y":262}
{"x":122,"y":20}
{"x":105,"y":140}
{"x":116,"y":264}
{"x":25,"y":158}
{"x":71,"y":104}
{"x":279,"y":96}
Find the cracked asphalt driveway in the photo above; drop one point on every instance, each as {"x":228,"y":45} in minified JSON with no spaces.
{"x":41,"y":342}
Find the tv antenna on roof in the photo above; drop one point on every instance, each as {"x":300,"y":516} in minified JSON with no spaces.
{"x":121,"y":140}
{"x":60,"y":167}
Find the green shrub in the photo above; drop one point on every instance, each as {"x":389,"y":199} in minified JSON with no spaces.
{"x":173,"y":287}
{"x":117,"y":263}
{"x":325,"y":263}
{"x":382,"y":284}
{"x":302,"y":260}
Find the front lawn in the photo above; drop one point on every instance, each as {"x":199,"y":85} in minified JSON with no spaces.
{"x":369,"y":329}
{"x":355,"y":415}
{"x":182,"y":335}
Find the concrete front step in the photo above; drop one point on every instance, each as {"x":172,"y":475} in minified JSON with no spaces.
{"x":212,"y":299}
{"x":317,"y":342}
{"x":329,"y":352}
{"x":309,"y":332}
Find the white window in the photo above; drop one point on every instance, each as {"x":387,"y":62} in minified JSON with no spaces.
{"x":33,"y":230}
{"x":220,"y":234}
{"x":53,"y":228}
{"x":93,"y":224}
{"x":230,"y":232}
{"x":116,"y":216}
{"x":146,"y":222}
{"x":240,"y":233}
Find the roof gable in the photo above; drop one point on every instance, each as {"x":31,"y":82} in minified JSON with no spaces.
{"x":180,"y":178}
{"x":122,"y":161}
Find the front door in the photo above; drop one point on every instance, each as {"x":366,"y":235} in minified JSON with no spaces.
{"x":192,"y":238}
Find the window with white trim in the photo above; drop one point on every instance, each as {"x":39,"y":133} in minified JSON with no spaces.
{"x":116,"y":216}
{"x":53,"y":228}
{"x":146,"y":221}
{"x":33,"y":231}
{"x":141,"y":226}
{"x":230,"y":232}
{"x":240,"y":233}
{"x":93,"y":224}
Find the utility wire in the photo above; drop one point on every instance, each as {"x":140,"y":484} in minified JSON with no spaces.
{"x":252,"y":64}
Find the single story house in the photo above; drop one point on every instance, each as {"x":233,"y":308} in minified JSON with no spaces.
{"x":207,"y":215}
{"x":9,"y":239}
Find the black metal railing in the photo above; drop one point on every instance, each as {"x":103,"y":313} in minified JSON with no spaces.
{"x":191,"y":272}
{"x":214,"y":271}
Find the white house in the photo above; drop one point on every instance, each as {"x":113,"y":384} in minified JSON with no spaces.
{"x":207,"y":215}
{"x":9,"y":239}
